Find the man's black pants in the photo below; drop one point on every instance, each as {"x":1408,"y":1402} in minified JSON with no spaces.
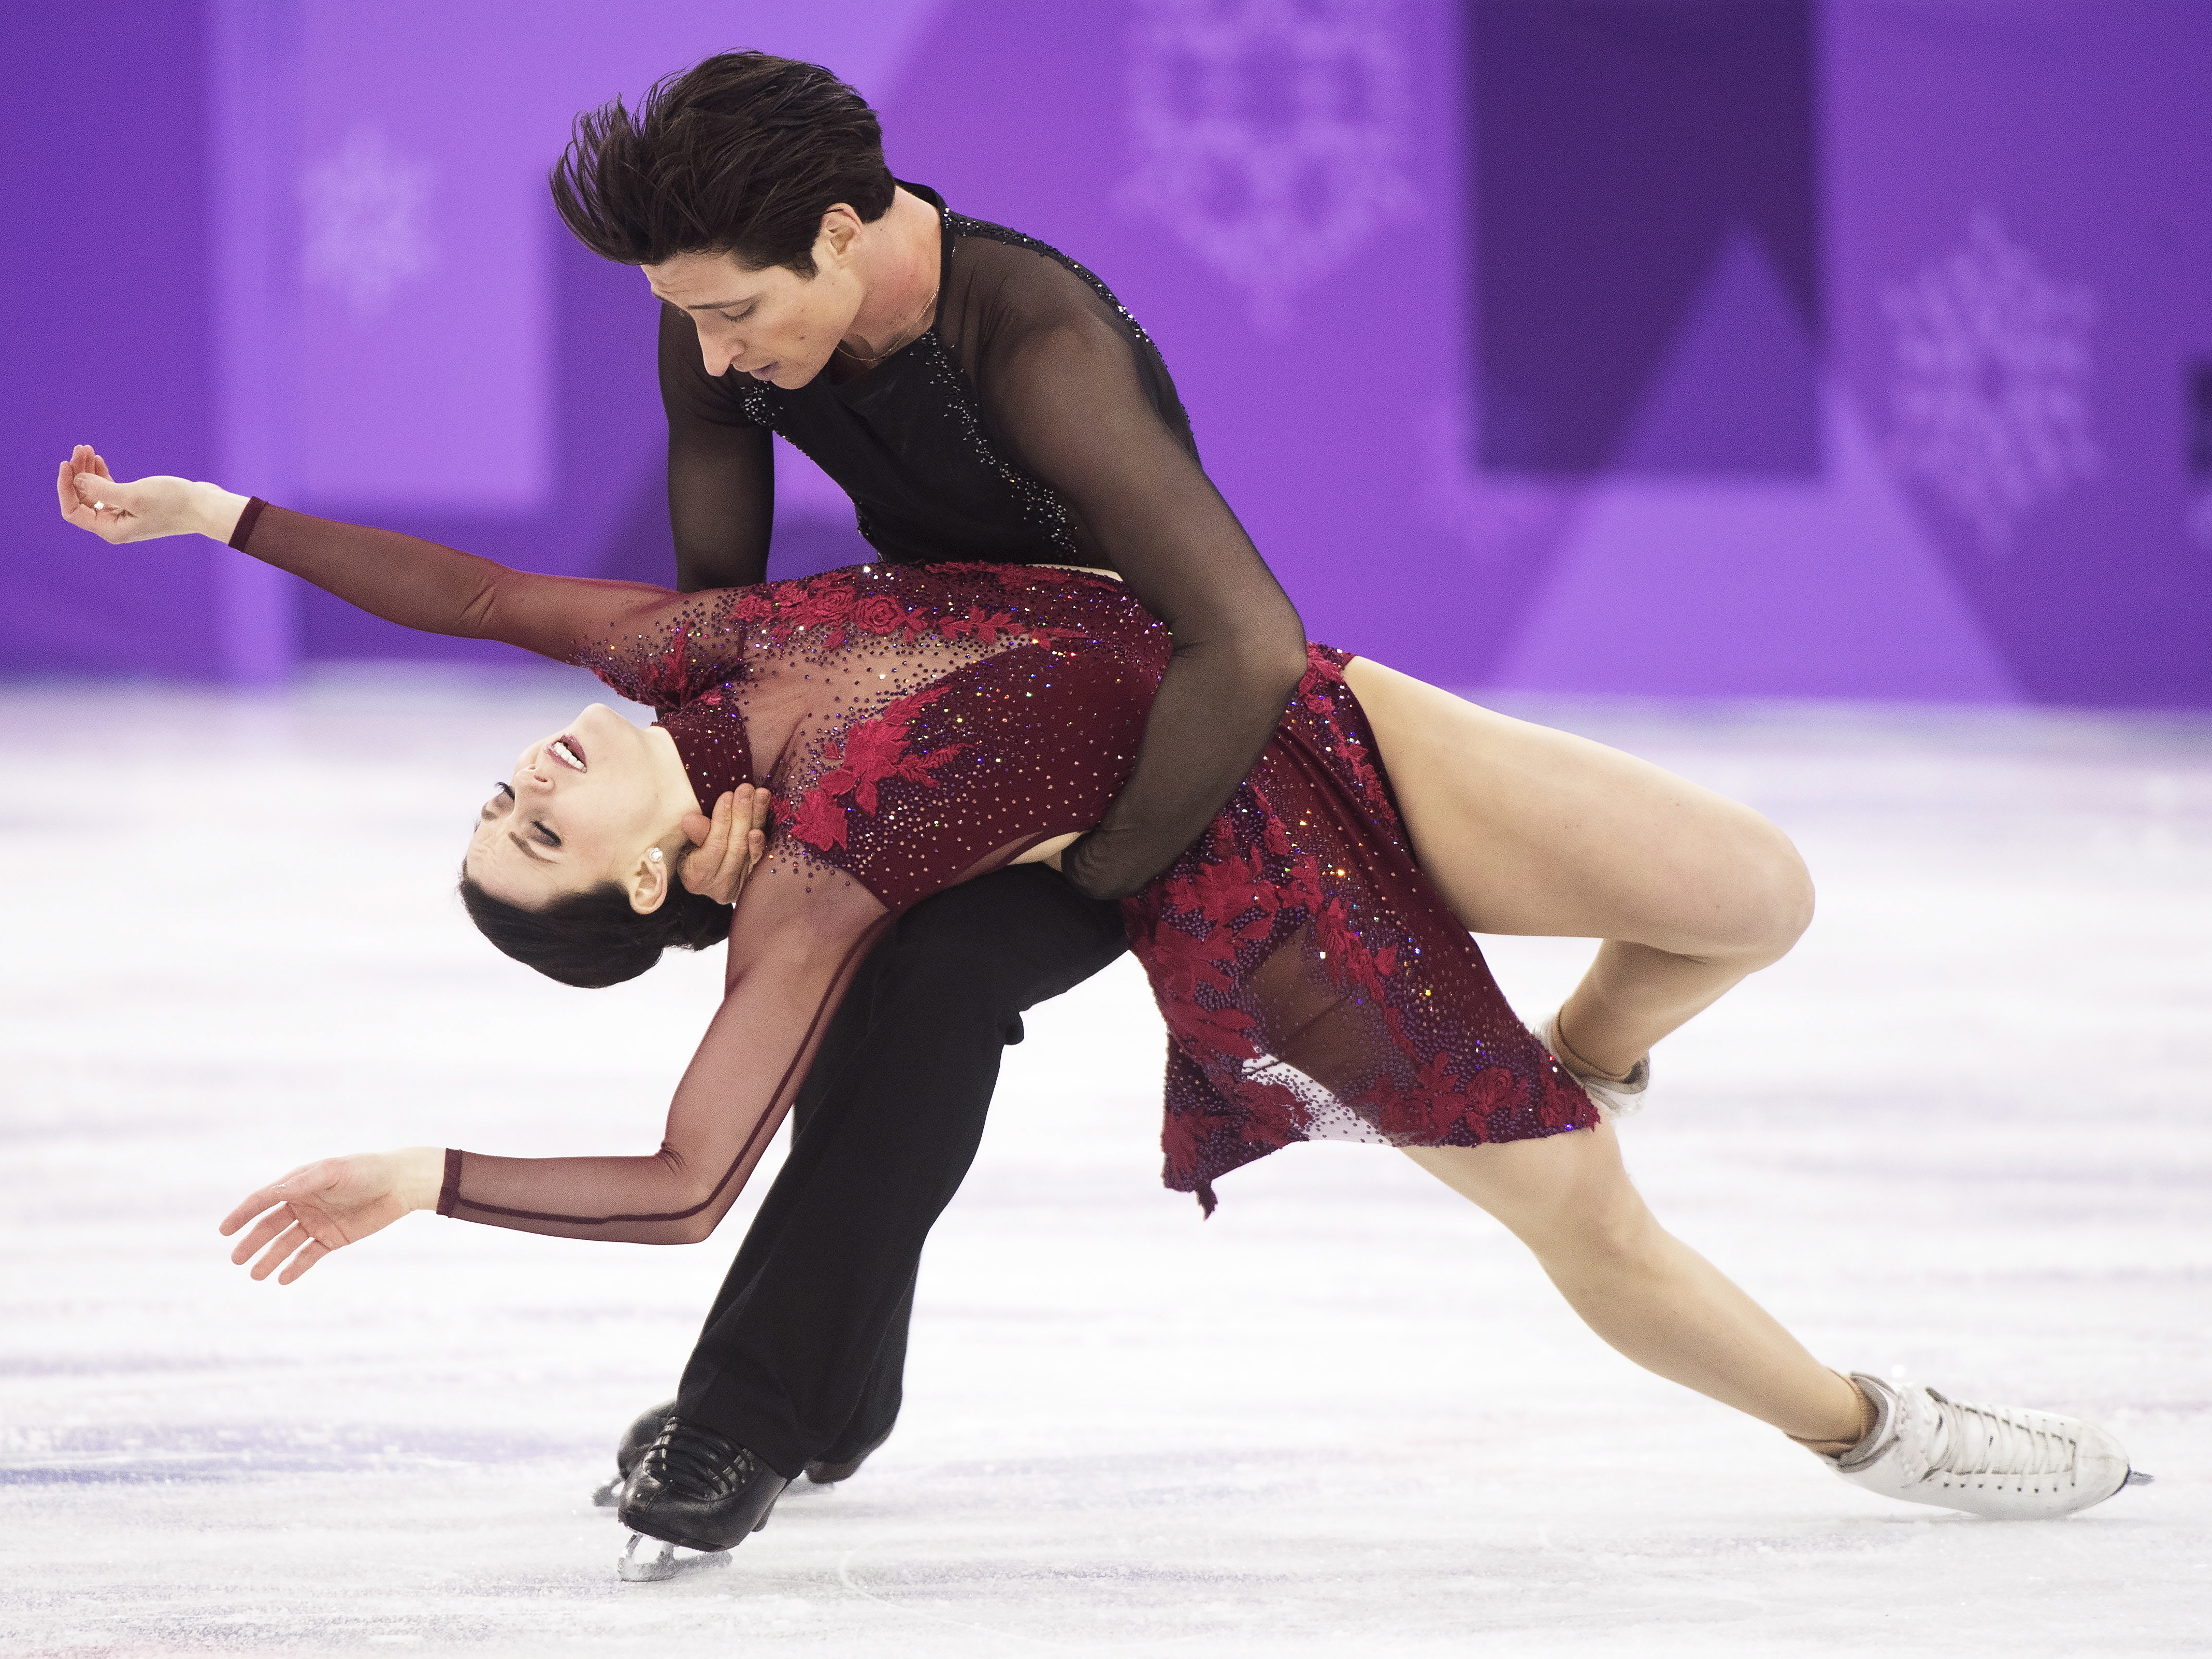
{"x":804,"y":1351}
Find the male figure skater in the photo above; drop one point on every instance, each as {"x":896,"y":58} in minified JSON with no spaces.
{"x":982,"y":397}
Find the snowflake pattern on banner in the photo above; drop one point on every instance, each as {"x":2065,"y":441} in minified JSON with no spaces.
{"x":1270,"y":136}
{"x":1992,"y":376}
{"x":365,"y":231}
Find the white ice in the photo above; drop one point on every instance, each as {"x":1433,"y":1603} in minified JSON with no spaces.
{"x":1959,"y":1135}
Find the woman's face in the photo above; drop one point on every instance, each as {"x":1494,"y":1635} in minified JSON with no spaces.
{"x":584,"y":806}
{"x":774,"y":325}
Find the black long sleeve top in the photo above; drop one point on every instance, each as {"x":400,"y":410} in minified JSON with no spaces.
{"x":1033,"y":422}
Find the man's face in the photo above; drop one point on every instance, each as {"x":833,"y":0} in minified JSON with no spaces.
{"x":772,"y":323}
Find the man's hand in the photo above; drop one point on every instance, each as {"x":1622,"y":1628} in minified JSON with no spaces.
{"x":729,"y":844}
{"x":91,"y":498}
{"x":1049,"y":852}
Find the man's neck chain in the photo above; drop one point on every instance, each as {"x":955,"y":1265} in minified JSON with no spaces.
{"x":916,"y":327}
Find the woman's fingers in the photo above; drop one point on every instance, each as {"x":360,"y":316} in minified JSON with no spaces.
{"x":287,"y":1242}
{"x":314,"y":1251}
{"x":248,"y":1207}
{"x":264,"y":1230}
{"x":277,"y":1192}
{"x":702,"y":870}
{"x":734,"y":840}
{"x":103,"y":494}
{"x":750,"y":846}
{"x":75,"y":507}
{"x":92,"y":501}
{"x":754,"y":812}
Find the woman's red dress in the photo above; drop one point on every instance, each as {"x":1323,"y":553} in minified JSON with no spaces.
{"x":919,"y":726}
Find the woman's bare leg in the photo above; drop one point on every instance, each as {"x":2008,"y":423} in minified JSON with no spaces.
{"x":1528,"y":830}
{"x":1648,"y":1294}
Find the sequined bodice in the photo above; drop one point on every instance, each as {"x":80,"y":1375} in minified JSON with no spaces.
{"x":914,"y":724}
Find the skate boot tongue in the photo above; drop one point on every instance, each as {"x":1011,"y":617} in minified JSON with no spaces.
{"x":697,"y":1463}
{"x":1990,"y":1440}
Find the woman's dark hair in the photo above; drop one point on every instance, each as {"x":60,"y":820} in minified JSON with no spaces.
{"x":743,"y":153}
{"x":593,"y":938}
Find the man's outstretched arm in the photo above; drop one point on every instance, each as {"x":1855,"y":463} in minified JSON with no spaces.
{"x":722,"y":469}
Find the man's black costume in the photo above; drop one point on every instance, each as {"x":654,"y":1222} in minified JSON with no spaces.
{"x":1033,"y":422}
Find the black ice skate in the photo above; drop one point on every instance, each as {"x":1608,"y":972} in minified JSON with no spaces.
{"x":641,"y":1433}
{"x":693,"y":1490}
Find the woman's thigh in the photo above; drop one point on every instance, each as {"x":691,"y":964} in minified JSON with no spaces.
{"x":1526,"y":829}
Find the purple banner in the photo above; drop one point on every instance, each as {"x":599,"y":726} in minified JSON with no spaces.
{"x":1580,"y":345}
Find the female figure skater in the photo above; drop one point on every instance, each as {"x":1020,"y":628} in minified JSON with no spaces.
{"x":916,"y":727}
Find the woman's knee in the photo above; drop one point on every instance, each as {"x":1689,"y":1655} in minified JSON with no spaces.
{"x":1785,"y":900}
{"x":1765,"y":898}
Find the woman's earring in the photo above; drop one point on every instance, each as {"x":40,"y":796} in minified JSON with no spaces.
{"x":654,"y":855}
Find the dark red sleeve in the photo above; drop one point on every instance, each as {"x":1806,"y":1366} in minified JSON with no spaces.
{"x":800,"y":931}
{"x":438,"y":589}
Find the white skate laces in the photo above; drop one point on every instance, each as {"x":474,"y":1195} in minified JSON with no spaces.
{"x":1612,"y":1099}
{"x":1998,"y":1461}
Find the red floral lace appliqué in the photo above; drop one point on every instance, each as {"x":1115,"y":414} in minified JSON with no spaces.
{"x":869,"y":754}
{"x":1442,"y":1062}
{"x":662,"y":678}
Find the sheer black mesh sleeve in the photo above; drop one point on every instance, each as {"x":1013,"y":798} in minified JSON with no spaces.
{"x":1074,"y":394}
{"x":722,"y":469}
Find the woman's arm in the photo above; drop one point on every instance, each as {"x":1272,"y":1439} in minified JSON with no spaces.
{"x":1066,"y":396}
{"x":800,"y":931}
{"x":402,"y":578}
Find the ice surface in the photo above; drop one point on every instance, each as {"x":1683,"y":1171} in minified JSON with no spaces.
{"x":1961,"y":1132}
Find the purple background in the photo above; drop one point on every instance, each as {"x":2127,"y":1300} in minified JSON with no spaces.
{"x":1551,"y":344}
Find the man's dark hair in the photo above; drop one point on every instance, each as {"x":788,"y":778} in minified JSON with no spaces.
{"x":743,"y":153}
{"x":593,"y":938}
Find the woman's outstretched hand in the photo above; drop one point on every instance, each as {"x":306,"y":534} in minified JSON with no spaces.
{"x":91,"y":498}
{"x":729,"y":844}
{"x":332,"y":1202}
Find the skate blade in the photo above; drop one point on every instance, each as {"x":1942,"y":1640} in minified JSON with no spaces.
{"x":654,"y":1560}
{"x":2137,"y":1478}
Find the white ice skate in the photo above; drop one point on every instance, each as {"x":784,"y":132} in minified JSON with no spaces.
{"x":651,"y":1560}
{"x":1612,"y":1100}
{"x":1998,"y":1461}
